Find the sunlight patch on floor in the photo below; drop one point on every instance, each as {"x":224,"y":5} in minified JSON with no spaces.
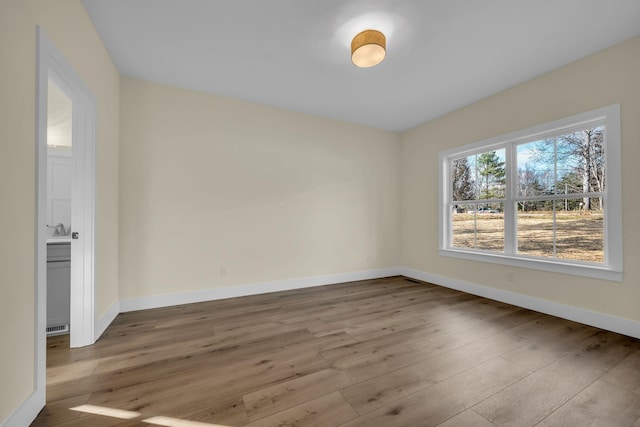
{"x":129,"y":415}
{"x":107,"y":412}
{"x":175,"y":422}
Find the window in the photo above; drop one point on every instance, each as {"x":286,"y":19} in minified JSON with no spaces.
{"x":546,"y":197}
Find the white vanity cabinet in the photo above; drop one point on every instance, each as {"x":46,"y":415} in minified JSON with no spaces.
{"x":58,"y":287}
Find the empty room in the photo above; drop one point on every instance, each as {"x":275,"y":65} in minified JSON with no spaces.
{"x":319,"y":213}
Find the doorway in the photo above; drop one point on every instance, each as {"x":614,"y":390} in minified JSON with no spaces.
{"x":52,"y":67}
{"x":58,"y":190}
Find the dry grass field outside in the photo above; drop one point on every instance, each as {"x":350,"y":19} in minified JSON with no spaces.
{"x":578,"y":237}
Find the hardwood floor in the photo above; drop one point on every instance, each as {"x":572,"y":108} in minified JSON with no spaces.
{"x":386,"y":352}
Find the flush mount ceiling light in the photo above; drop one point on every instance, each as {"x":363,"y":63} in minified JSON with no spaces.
{"x":368,"y":48}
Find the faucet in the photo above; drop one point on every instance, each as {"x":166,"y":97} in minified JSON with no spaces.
{"x":60,"y":231}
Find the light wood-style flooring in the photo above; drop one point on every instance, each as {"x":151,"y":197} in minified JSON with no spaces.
{"x":386,"y":352}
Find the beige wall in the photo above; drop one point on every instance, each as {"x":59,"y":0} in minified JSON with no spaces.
{"x":269,"y":194}
{"x":70,"y":29}
{"x":608,"y":77}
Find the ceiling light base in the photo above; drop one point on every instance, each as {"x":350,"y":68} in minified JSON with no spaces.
{"x":368,"y":48}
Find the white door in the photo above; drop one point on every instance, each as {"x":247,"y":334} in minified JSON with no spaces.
{"x":53,"y":67}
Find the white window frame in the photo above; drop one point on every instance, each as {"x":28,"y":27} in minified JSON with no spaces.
{"x":611,"y":268}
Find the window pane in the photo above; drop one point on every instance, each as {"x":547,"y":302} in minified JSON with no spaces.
{"x":580,"y":232}
{"x":463,"y":178}
{"x":535,"y":168}
{"x":490,"y":227}
{"x":490,"y":171}
{"x":463,"y":229}
{"x":535,"y":229}
{"x":581,"y":161}
{"x":478,"y":227}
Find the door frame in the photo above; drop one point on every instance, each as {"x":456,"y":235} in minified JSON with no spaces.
{"x":51,"y":64}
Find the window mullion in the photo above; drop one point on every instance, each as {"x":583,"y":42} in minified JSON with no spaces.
{"x":510,"y":232}
{"x":555,"y":191}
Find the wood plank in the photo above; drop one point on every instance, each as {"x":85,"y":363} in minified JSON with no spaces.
{"x":626,"y":374}
{"x":245,"y":336}
{"x":530,"y":400}
{"x":468,"y":418}
{"x":271,"y":400}
{"x":539,"y":327}
{"x":188,"y":366}
{"x":58,"y":412}
{"x":438,"y":403}
{"x":102,"y":421}
{"x":379,"y":391}
{"x":224,"y":410}
{"x":61,"y":373}
{"x":420,"y":342}
{"x":326,"y":411}
{"x":212,"y":381}
{"x":552,"y":347}
{"x":600,"y":404}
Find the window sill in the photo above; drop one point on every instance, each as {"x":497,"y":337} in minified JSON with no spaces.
{"x":592,"y":271}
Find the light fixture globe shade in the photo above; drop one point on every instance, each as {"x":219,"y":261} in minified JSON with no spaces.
{"x":368,"y":48}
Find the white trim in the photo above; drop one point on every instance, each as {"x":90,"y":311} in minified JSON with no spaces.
{"x":25,"y":413}
{"x":553,"y":265}
{"x":612,"y":268}
{"x":166,"y":300}
{"x":535,"y":132}
{"x":103,"y":323}
{"x":36,"y":401}
{"x":569,"y":312}
{"x":58,"y":152}
{"x":613,"y":217}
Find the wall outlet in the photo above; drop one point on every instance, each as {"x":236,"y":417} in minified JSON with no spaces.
{"x":510,"y":276}
{"x":223,"y":270}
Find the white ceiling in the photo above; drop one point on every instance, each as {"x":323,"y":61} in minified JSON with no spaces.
{"x":295,"y":54}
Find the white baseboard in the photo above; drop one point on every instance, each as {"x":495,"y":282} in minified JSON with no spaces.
{"x":166,"y":300}
{"x":27,"y":412}
{"x":103,"y":323}
{"x":569,"y":312}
